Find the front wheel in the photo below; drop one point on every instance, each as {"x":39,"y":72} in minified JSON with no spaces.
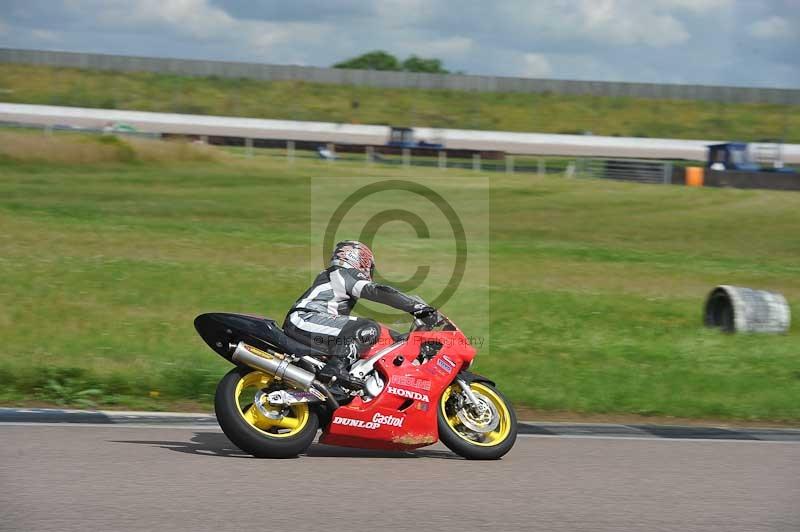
{"x":256,"y":427}
{"x":483,"y":432}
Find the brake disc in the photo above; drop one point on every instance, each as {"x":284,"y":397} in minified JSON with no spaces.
{"x":480,"y":420}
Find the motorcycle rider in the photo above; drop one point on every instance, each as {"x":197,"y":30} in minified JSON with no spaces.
{"x":321,"y":317}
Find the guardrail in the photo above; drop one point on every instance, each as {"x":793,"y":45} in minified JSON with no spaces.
{"x":414,"y":80}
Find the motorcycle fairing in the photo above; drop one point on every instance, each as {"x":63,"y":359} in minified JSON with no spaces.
{"x":220,"y":329}
{"x":403,"y":415}
{"x":470,"y":377}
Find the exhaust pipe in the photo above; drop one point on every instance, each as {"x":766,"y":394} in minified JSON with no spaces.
{"x":279,"y":366}
{"x":273,"y":364}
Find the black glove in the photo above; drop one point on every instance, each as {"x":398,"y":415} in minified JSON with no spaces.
{"x":426,"y":314}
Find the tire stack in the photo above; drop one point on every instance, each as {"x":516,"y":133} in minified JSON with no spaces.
{"x":737,"y":309}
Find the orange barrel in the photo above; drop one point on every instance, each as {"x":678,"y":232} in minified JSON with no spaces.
{"x":694,"y":176}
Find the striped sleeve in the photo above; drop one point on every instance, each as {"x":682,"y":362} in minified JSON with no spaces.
{"x":352,"y":282}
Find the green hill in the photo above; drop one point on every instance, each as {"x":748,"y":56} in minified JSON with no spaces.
{"x":547,"y":113}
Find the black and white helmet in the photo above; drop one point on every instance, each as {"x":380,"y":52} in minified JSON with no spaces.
{"x":354,"y":254}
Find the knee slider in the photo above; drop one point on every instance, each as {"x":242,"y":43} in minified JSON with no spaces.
{"x":367,"y":334}
{"x":362,"y":333}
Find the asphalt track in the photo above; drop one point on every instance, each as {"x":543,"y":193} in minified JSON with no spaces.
{"x":71,"y":477}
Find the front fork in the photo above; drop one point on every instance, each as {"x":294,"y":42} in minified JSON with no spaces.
{"x":473,"y":401}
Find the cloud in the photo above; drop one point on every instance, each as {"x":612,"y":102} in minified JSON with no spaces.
{"x":193,"y":18}
{"x":696,"y":41}
{"x":297,"y":10}
{"x":560,"y":26}
{"x":394,"y":13}
{"x":449,"y":47}
{"x":630,"y":24}
{"x":772,"y":28}
{"x":45,"y":36}
{"x":695,"y":6}
{"x":535,"y":66}
{"x":198,"y":20}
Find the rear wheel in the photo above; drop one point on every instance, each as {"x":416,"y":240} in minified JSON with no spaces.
{"x":254,"y":426}
{"x":485,"y":432}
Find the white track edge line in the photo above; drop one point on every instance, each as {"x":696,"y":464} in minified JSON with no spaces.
{"x":213,"y":428}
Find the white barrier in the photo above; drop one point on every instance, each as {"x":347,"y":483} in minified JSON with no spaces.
{"x":326,"y":132}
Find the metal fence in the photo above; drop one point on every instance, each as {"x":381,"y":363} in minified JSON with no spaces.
{"x":435,"y":160}
{"x":638,"y":170}
{"x":459,"y":82}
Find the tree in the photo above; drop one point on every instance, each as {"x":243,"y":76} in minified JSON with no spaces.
{"x":420,"y":64}
{"x":377,"y":60}
{"x":380,"y":60}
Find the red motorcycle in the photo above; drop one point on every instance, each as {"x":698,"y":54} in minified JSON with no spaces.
{"x":416,"y":390}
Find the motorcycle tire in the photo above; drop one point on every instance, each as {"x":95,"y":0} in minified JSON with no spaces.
{"x":253,"y":433}
{"x":459,"y":439}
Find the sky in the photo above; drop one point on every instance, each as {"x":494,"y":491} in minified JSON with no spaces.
{"x":711,"y":42}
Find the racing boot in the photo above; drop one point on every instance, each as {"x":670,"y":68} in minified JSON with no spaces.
{"x":335,"y":373}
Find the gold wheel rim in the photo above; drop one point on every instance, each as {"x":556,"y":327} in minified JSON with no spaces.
{"x":284,"y":425}
{"x":487,"y":439}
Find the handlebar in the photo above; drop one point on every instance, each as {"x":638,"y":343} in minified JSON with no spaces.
{"x":419,"y":325}
{"x":441,"y":319}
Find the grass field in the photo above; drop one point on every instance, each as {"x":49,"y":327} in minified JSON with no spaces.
{"x":596,"y":287}
{"x":547,"y":113}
